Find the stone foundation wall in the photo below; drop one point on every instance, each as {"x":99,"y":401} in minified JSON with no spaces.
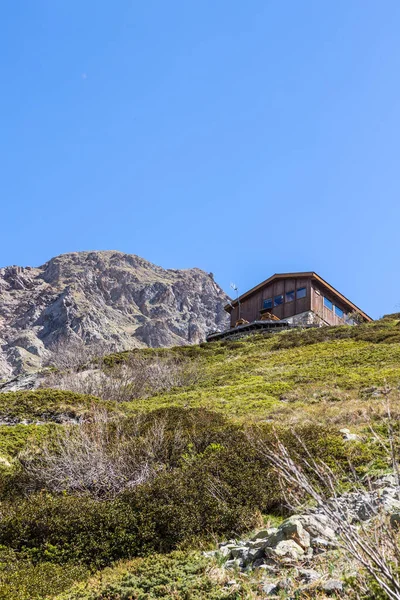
{"x":305,"y":318}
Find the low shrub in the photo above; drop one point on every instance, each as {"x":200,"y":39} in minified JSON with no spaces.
{"x":385,"y":331}
{"x":20,"y":579}
{"x":179,"y":575}
{"x":45,"y":405}
{"x":61,"y":529}
{"x":128,"y":376}
{"x":211,"y":479}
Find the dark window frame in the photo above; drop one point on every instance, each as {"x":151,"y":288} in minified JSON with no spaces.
{"x":301,"y":290}
{"x":291,"y":299}
{"x":337,"y":308}
{"x":279,"y":303}
{"x":265,"y":302}
{"x":330,"y":302}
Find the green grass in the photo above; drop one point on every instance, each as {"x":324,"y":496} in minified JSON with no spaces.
{"x":182,"y":576}
{"x":13,"y":439}
{"x":247,"y":379}
{"x":46,"y":405}
{"x":20,"y":579}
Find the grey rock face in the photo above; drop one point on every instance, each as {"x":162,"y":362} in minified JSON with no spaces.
{"x":25,"y":381}
{"x":118,"y":300}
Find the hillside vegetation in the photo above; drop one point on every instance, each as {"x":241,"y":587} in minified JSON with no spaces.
{"x":176,"y":463}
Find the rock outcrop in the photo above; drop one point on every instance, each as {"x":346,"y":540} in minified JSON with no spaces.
{"x":119,"y":301}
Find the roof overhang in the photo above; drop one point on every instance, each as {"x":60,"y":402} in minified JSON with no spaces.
{"x":307,"y":274}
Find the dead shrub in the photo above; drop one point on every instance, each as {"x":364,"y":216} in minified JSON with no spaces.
{"x":72,"y":353}
{"x":97,"y":456}
{"x":138,"y":376}
{"x":374,"y":545}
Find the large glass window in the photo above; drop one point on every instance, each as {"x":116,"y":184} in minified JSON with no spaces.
{"x":278,"y":300}
{"x":328,"y":303}
{"x":267,"y":303}
{"x":338,"y":312}
{"x":301,"y":293}
{"x":289,"y":296}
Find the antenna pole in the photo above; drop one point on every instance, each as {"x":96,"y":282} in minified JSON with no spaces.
{"x":235,"y":287}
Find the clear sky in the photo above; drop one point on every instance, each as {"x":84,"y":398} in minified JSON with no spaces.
{"x":244,"y":138}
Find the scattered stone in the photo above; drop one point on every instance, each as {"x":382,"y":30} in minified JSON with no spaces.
{"x":236,"y":563}
{"x":231,"y":544}
{"x":385,"y":481}
{"x":240,"y":552}
{"x":255,"y":554}
{"x":263,"y":533}
{"x":286,"y":549}
{"x":258,"y":543}
{"x":210,"y":553}
{"x":348,"y":436}
{"x":270,"y":589}
{"x":332,"y":586}
{"x":291,"y":529}
{"x":302,"y":536}
{"x":395,"y":520}
{"x":320,"y":545}
{"x":268,"y":568}
{"x":259,"y":563}
{"x":225,"y":551}
{"x":285,"y":584}
{"x":318,"y":526}
{"x":309,"y":575}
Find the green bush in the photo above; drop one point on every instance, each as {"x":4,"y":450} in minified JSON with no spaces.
{"x":206,"y":498}
{"x":47,"y":404}
{"x":385,"y":331}
{"x":64,"y":528}
{"x":20,"y":579}
{"x":213,"y":481}
{"x":178,"y":575}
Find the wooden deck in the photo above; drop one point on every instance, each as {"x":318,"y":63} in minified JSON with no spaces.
{"x":254,"y":327}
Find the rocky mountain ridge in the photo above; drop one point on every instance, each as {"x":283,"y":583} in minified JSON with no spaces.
{"x":115,"y":300}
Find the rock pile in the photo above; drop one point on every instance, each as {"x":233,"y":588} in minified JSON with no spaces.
{"x":297,"y":540}
{"x":298,"y":537}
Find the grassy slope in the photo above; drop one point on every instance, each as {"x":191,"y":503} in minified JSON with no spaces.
{"x":293,"y":376}
{"x":322,"y":375}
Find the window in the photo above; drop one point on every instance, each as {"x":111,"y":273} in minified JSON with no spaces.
{"x":328,"y":303}
{"x":267,"y":303}
{"x":301,"y":293}
{"x":278,"y":300}
{"x":338,"y":312}
{"x":289,"y":296}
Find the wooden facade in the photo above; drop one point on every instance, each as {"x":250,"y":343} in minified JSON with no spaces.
{"x":294,"y":296}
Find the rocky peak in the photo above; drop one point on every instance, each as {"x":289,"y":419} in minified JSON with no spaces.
{"x":120,"y":300}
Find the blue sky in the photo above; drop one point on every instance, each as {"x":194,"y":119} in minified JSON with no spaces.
{"x":245,"y":138}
